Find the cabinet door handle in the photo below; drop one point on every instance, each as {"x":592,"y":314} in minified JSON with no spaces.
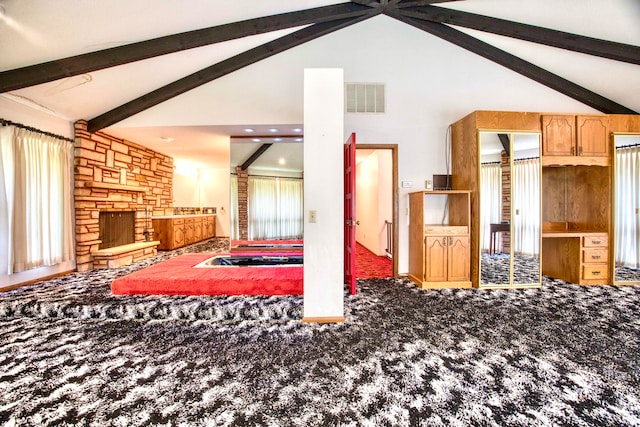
{"x":596,"y":272}
{"x":595,"y":256}
{"x":444,"y":241}
{"x":597,"y":242}
{"x":450,"y":241}
{"x":572,"y":151}
{"x":580,"y":151}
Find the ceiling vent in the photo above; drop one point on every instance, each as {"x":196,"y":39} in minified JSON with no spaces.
{"x":365,"y":98}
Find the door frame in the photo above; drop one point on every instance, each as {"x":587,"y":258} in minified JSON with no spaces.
{"x":394,"y":178}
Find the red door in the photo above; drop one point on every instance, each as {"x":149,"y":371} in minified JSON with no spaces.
{"x":350,"y":213}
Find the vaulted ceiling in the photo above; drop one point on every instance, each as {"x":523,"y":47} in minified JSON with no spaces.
{"x":110,"y":61}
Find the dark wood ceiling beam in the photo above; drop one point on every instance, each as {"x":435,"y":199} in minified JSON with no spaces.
{"x":518,"y":65}
{"x":66,"y":67}
{"x":415,"y":3}
{"x":220,"y":69}
{"x":560,"y":39}
{"x":504,"y":140}
{"x":255,"y":155}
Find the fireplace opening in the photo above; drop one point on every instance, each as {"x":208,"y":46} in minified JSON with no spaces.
{"x":117,"y":228}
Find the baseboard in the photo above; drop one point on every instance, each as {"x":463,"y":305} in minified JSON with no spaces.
{"x":334,"y":319}
{"x":31,"y":282}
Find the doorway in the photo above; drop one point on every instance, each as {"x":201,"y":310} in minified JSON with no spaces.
{"x":385,"y":227}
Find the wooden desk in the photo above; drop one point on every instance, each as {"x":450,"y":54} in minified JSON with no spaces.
{"x":497,"y":228}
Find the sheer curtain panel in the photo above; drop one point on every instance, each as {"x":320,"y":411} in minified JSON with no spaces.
{"x":275,"y":208}
{"x":35,"y":171}
{"x":525,"y":177}
{"x":627,"y":232}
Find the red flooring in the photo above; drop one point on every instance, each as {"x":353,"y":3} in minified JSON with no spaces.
{"x":177,"y":276}
{"x":369,"y":265}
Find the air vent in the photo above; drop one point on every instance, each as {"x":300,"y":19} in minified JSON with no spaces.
{"x":365,"y":98}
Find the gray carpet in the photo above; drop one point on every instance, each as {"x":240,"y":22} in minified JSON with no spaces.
{"x":559,"y":355}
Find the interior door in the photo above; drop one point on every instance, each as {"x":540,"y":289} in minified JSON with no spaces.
{"x":350,"y":213}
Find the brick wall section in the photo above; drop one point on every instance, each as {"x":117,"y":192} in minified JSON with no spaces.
{"x":112,"y":174}
{"x":243,"y":213}
{"x":506,"y":200}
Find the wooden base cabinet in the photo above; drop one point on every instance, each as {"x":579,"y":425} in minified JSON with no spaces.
{"x":439,"y":255}
{"x":180,"y":230}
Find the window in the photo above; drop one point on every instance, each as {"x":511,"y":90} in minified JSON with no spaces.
{"x":35,"y":199}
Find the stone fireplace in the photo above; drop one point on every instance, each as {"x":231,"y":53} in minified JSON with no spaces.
{"x":114,"y":176}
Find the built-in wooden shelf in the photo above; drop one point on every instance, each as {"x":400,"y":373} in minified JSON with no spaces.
{"x":109,"y":186}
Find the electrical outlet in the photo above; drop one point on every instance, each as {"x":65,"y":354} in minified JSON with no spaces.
{"x":428,"y":184}
{"x":407,"y":184}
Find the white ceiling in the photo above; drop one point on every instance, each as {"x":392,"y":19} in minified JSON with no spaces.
{"x":202,"y":121}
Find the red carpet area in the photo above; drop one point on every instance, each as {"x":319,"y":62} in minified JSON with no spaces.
{"x":177,"y":276}
{"x":370,"y":265}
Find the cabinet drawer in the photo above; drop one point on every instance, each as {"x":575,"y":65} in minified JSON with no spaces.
{"x":178,"y":221}
{"x":595,"y":271}
{"x":595,"y":255}
{"x":596,"y":240}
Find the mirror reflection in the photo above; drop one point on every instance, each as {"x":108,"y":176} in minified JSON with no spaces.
{"x":266,"y":191}
{"x":626,"y":209}
{"x":510,"y":209}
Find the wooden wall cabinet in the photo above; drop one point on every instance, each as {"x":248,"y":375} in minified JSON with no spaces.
{"x":439,"y":255}
{"x":575,"y":140}
{"x":176,"y":231}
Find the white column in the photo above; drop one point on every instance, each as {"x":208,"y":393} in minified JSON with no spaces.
{"x":323,"y":195}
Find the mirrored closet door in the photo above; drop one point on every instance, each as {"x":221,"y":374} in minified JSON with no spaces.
{"x":626,"y":208}
{"x":509,"y":196}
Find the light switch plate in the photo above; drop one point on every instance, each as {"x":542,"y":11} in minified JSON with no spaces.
{"x":407,"y":184}
{"x":428,"y":184}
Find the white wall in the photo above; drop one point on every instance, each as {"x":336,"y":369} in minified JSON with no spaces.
{"x":19,"y":113}
{"x":374,"y":200}
{"x":205,"y":187}
{"x":324,"y":194}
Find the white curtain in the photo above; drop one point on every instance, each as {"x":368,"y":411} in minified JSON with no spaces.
{"x":275,"y":208}
{"x":525,"y":205}
{"x":235,"y":225}
{"x":627,"y":232}
{"x":490,"y":202}
{"x":36,"y":176}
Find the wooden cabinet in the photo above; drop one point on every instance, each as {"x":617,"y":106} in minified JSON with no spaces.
{"x":439,"y":255}
{"x":558,"y":135}
{"x":576,"y":257}
{"x":208,"y":227}
{"x":592,"y":136}
{"x":595,"y":259}
{"x":447,"y":257}
{"x":575,"y":140}
{"x":177,"y":231}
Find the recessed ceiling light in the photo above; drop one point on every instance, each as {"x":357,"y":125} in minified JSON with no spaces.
{"x":281,"y":161}
{"x":249,"y":130}
{"x":273,"y":130}
{"x":298,"y":140}
{"x":297,"y":130}
{"x":256,"y":139}
{"x":277,"y":139}
{"x":166,"y":138}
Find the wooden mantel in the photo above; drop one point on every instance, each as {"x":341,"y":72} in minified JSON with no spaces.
{"x":109,"y":186}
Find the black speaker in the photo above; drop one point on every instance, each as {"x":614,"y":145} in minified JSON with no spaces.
{"x":442,"y":182}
